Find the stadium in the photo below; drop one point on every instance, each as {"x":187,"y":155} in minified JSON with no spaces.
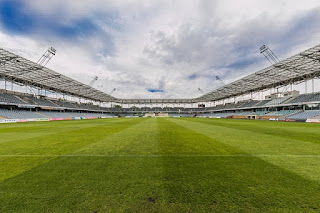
{"x":248,"y":145}
{"x":287,"y":105}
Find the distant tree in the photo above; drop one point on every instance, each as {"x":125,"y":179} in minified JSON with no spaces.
{"x":117,"y":106}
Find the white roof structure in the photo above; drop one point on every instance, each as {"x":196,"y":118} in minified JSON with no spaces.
{"x":300,"y":67}
{"x":25,"y":72}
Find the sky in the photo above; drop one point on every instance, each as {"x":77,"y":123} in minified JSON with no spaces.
{"x":158,"y":49}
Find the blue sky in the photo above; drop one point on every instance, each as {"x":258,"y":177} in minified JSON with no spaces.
{"x":158,"y":49}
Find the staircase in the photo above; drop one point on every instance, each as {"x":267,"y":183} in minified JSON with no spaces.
{"x":20,"y":98}
{"x":289,"y":99}
{"x":45,"y":116}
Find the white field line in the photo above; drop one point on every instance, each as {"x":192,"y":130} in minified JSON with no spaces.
{"x":157,"y":156}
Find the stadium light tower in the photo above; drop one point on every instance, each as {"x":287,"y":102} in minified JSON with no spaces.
{"x":270,"y":56}
{"x":219,"y":79}
{"x":46,"y":57}
{"x":93,"y":81}
{"x":114,"y":89}
{"x":201,"y":91}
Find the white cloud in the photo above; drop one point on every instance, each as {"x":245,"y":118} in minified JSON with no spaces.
{"x":159,"y":44}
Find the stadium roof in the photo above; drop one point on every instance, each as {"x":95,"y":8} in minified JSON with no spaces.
{"x":23,"y":71}
{"x":295,"y":69}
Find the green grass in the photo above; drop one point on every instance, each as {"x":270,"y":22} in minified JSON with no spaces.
{"x":160,"y":165}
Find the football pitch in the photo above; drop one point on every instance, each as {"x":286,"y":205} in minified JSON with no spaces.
{"x":160,"y":165}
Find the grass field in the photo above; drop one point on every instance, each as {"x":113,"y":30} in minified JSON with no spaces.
{"x":160,"y":165}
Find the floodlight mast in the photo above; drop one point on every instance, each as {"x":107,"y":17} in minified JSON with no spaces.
{"x":93,"y":81}
{"x":270,"y":56}
{"x":114,"y":89}
{"x":201,"y":91}
{"x":46,"y":57}
{"x":219,"y":79}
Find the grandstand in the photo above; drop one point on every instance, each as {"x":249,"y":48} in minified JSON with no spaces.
{"x":290,"y":106}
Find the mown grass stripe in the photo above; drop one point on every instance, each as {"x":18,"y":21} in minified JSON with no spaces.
{"x":307,"y":132}
{"x":259,"y":144}
{"x":63,"y":141}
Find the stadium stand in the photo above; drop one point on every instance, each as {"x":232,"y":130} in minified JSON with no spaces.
{"x":174,"y":115}
{"x":65,"y":104}
{"x":315,"y":98}
{"x":77,"y":114}
{"x":115,"y":110}
{"x":262,"y":103}
{"x":302,"y":116}
{"x":220,"y":115}
{"x":229,"y":110}
{"x":259,"y":113}
{"x":304,"y":98}
{"x":218,"y":107}
{"x":249,"y":103}
{"x":20,"y":114}
{"x":95,"y":114}
{"x":44,"y":102}
{"x":9,"y":98}
{"x":55,"y":114}
{"x":276,"y":101}
{"x":283,"y":112}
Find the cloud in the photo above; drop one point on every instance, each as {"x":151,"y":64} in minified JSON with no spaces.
{"x":172,"y":46}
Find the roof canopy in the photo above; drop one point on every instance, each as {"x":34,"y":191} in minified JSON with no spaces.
{"x":25,"y":72}
{"x":298,"y":68}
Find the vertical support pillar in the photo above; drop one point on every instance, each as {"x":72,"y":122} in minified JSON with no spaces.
{"x":306,"y":87}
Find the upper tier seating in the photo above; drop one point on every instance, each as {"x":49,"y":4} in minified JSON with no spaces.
{"x":303,"y":98}
{"x":315,"y":98}
{"x":276,"y":101}
{"x":262,"y":103}
{"x":218,"y":107}
{"x":44,"y":102}
{"x":66,"y":104}
{"x":249,"y":104}
{"x":10,"y":98}
{"x":40,"y":101}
